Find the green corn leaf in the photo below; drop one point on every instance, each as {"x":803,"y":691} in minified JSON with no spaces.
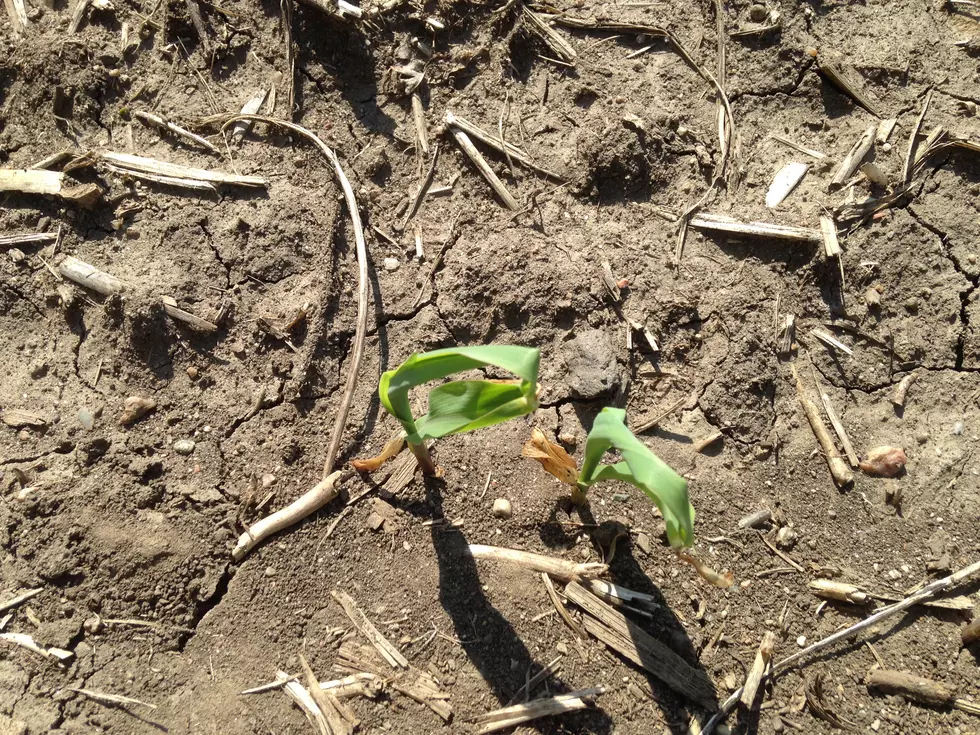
{"x":461,"y":405}
{"x":641,"y":468}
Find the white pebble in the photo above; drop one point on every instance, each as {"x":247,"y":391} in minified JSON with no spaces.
{"x":184,"y":446}
{"x":958,"y":428}
{"x":391,"y":264}
{"x":801,"y":641}
{"x":502,"y":508}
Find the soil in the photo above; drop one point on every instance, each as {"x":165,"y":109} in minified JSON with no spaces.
{"x":114,"y":524}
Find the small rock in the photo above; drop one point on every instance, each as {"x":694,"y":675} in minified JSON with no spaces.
{"x":883,"y":462}
{"x":562,"y":648}
{"x":268,"y":480}
{"x":643,"y":541}
{"x":876,"y":724}
{"x":801,"y":641}
{"x":93,"y":625}
{"x":184,"y":446}
{"x":502,"y":508}
{"x":192,"y":372}
{"x":270,"y":572}
{"x":136,"y":408}
{"x":16,"y":255}
{"x":958,"y":428}
{"x":86,"y":419}
{"x":568,"y":439}
{"x":786,"y":538}
{"x":758,"y":13}
{"x":922,"y":437}
{"x":375,"y":521}
{"x":894,"y":574}
{"x":391,"y":264}
{"x":591,"y":367}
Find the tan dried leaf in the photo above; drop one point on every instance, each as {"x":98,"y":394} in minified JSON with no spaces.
{"x":393,"y":447}
{"x":707,"y":573}
{"x":553,"y":458}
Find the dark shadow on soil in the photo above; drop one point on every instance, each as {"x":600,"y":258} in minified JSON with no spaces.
{"x":485,"y":635}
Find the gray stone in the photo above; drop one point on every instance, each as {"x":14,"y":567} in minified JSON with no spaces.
{"x":184,"y":446}
{"x":590,"y":363}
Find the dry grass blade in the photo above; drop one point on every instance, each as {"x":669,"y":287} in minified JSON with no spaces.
{"x":111,"y":699}
{"x":537,"y":25}
{"x":182,"y":315}
{"x":831,"y":244}
{"x":423,"y":188}
{"x":142,"y":166}
{"x":508,"y":149}
{"x":77,"y":15}
{"x":798,"y":148}
{"x":25,"y":641}
{"x":550,"y":670}
{"x":835,"y":76}
{"x":501,"y":719}
{"x":560,"y":608}
{"x":785,"y":180}
{"x":391,"y":654}
{"x":40,"y":238}
{"x":913,"y":139}
{"x":832,"y":342}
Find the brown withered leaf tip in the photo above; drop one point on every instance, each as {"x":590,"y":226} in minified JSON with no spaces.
{"x":552,"y":457}
{"x":393,"y":447}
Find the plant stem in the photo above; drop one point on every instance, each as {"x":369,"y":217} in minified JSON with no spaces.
{"x":421,"y":453}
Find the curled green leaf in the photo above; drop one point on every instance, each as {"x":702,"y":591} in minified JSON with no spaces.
{"x":641,"y":468}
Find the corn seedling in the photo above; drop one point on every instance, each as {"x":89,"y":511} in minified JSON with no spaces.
{"x":639,"y":467}
{"x":459,"y":405}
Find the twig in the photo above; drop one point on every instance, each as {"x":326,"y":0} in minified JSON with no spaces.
{"x":854,"y":157}
{"x":843,"y":477}
{"x":498,"y":144}
{"x":550,"y":36}
{"x":506,"y":717}
{"x":558,"y":568}
{"x":918,"y":689}
{"x":16,"y":241}
{"x":902,"y":389}
{"x":655,"y":421}
{"x":800,"y":149}
{"x":423,"y":188}
{"x":151,"y":118}
{"x":828,"y":231}
{"x":831,"y":341}
{"x":728,"y":225}
{"x":325,"y":701}
{"x":560,"y":608}
{"x":782,"y":555}
{"x":90,"y":277}
{"x":174,"y":173}
{"x":20,"y":599}
{"x":838,"y":425}
{"x":182,"y":315}
{"x":481,"y":164}
{"x":310,"y":502}
{"x":836,"y":77}
{"x":286,"y":8}
{"x":360,"y":335}
{"x":759,"y":667}
{"x":926,"y":592}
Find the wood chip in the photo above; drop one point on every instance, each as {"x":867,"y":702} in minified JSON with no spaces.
{"x":828,"y":231}
{"x":50,"y":183}
{"x":854,"y":157}
{"x":18,"y":419}
{"x":558,"y":568}
{"x":763,"y":658}
{"x":786,"y":179}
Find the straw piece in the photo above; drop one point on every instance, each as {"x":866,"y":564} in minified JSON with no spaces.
{"x":141,"y":166}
